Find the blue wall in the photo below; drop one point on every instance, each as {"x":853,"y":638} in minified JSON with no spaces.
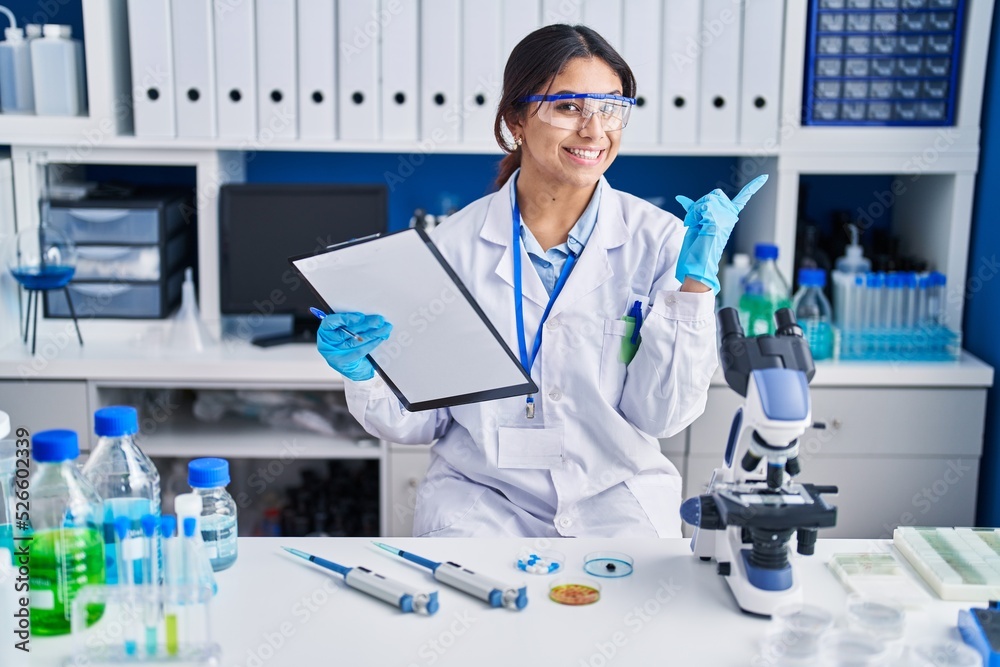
{"x":982,"y":311}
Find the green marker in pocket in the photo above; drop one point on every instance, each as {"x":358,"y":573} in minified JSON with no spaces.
{"x":632,"y":339}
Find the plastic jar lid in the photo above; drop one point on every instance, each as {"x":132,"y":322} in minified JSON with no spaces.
{"x":575,"y":592}
{"x":540,"y":561}
{"x":608,"y":564}
{"x":802,"y":619}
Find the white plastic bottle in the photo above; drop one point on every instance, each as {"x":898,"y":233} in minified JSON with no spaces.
{"x":57,"y":72}
{"x":854,"y":260}
{"x":16,"y":85}
{"x":732,"y":280}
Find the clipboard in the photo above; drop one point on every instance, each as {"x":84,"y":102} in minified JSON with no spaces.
{"x":443,"y":350}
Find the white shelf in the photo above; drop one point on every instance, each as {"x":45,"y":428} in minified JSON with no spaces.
{"x":231,"y":438}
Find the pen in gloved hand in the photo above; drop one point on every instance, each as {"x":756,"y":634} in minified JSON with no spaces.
{"x":321,"y":315}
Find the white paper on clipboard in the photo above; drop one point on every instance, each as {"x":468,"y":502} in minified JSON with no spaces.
{"x":443,"y":350}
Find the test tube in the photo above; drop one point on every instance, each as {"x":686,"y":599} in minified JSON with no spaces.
{"x":171,"y":584}
{"x":911,"y":300}
{"x":150,"y":578}
{"x":922,"y":292}
{"x":126,"y":578}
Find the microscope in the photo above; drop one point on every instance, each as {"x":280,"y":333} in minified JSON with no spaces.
{"x":752,"y":506}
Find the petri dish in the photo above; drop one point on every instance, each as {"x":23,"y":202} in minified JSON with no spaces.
{"x":850,"y":648}
{"x":608,"y":564}
{"x":946,"y":654}
{"x":779,"y":649}
{"x":540,"y":561}
{"x":881,"y":618}
{"x":797,"y":628}
{"x":575,"y":592}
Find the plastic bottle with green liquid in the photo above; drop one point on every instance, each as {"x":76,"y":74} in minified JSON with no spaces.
{"x":67,"y":548}
{"x":764,"y":292}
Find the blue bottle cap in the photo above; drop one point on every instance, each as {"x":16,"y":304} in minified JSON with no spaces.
{"x":55,"y":446}
{"x":168,"y":525}
{"x":122,"y":525}
{"x":208,"y":473}
{"x":911,"y":280}
{"x":148,"y":523}
{"x":812,"y":277}
{"x":116,"y":420}
{"x":190,"y":525}
{"x":765,"y":251}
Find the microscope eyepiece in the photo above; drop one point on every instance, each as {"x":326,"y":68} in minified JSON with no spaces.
{"x":729,"y":323}
{"x":784,"y":318}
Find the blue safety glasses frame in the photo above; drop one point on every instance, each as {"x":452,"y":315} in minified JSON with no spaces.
{"x":614,"y":110}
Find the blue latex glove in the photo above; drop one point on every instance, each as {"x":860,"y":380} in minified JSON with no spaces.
{"x":344,"y":352}
{"x":709,"y":222}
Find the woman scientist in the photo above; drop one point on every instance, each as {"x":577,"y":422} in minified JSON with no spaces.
{"x":581,"y":457}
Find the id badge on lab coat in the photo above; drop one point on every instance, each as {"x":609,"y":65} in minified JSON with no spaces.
{"x":536,"y":448}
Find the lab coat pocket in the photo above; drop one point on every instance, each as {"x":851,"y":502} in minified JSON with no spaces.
{"x":612,"y":366}
{"x":659,"y":496}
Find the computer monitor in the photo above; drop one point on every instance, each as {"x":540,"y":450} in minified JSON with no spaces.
{"x":262,"y":225}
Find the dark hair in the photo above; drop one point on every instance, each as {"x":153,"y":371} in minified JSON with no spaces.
{"x":532,"y":65}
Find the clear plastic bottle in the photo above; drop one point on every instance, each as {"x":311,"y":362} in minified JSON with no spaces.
{"x":127,"y":481}
{"x":8,"y":463}
{"x":813,"y":312}
{"x":764,"y":292}
{"x":208,"y":478}
{"x":16,"y":86}
{"x":67,"y":548}
{"x":57,"y":71}
{"x":732,"y":280}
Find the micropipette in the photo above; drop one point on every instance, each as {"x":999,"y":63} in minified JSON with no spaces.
{"x":126,"y":578}
{"x":451,"y":574}
{"x":377,"y":585}
{"x":148,"y":523}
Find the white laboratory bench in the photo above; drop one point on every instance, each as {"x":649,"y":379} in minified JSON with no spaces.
{"x":275,"y":609}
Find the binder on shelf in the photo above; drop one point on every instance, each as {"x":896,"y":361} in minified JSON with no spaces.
{"x":235,"y":70}
{"x":400,"y":69}
{"x":194,"y":68}
{"x":519,"y":17}
{"x":277,"y":78}
{"x":681,"y":72}
{"x":605,"y":16}
{"x":150,"y":47}
{"x":720,"y":71}
{"x":358,"y":30}
{"x":317,"y":44}
{"x":759,"y":112}
{"x":482,"y":69}
{"x":562,"y":11}
{"x":641,"y":42}
{"x":440,"y":58}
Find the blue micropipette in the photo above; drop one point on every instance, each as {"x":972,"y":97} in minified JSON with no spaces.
{"x":451,"y":574}
{"x":378,"y":586}
{"x":126,"y":578}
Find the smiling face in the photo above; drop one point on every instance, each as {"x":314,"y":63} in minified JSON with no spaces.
{"x":563,"y":158}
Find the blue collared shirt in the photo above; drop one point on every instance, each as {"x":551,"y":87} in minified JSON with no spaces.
{"x":549,"y":263}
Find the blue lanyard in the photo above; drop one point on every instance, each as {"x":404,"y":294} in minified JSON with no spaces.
{"x":526,"y":361}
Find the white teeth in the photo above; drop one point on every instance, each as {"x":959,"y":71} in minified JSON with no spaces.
{"x":586,"y":155}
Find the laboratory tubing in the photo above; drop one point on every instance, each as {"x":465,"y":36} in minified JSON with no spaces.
{"x":16,"y":85}
{"x":814,"y":314}
{"x":497,"y":593}
{"x":67,"y":548}
{"x":57,"y":72}
{"x":208,"y":479}
{"x":189,"y":505}
{"x":125,"y":478}
{"x":376,"y":585}
{"x":765,"y":291}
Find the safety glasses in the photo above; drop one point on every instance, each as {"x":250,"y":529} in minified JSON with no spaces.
{"x":572,"y":111}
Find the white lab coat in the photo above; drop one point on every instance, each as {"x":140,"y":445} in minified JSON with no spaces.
{"x":612,"y":479}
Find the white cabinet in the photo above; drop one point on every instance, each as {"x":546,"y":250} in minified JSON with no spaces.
{"x":900,"y":456}
{"x":42,"y":405}
{"x":407,"y":467}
